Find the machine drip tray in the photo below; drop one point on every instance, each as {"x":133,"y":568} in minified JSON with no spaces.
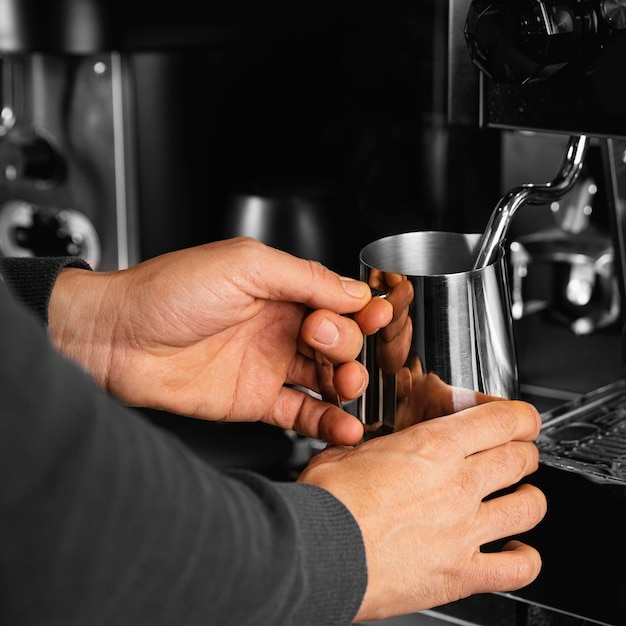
{"x":582,"y":539}
{"x":588,"y":435}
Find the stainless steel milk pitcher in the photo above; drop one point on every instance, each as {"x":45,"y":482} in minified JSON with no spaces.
{"x":450,"y":344}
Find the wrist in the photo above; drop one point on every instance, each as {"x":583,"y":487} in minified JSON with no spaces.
{"x":81,"y":319}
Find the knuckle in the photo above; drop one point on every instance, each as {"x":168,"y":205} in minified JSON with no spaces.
{"x":316,"y":271}
{"x":247,"y":245}
{"x":535,"y":503}
{"x":508,"y":415}
{"x":433,"y":440}
{"x":516,"y":574}
{"x":505,"y":418}
{"x":518,"y":459}
{"x":524,"y":510}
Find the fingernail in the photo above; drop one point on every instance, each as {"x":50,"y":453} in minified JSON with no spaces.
{"x":355,"y":288}
{"x":363,"y":386}
{"x":327,"y":333}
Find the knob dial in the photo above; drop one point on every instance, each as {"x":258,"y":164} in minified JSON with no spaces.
{"x":517,"y":41}
{"x":30,"y":230}
{"x":614,"y":12}
{"x":30,"y":158}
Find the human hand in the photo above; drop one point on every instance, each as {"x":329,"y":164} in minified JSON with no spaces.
{"x":420,"y":499}
{"x":218,"y":331}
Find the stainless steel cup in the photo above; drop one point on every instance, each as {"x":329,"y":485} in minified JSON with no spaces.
{"x":450,"y":344}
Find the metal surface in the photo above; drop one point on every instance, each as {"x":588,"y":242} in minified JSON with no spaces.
{"x":581,"y":539}
{"x":614,"y":152}
{"x":530,"y":193}
{"x":592,"y":408}
{"x":578,"y":271}
{"x":588,"y":435}
{"x":582,"y":448}
{"x":77,"y":106}
{"x":451,"y":338}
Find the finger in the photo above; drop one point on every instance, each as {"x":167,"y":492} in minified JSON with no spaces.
{"x":486,"y":426}
{"x":377,"y":314}
{"x":336,"y":426}
{"x":461,"y":399}
{"x":310,"y":417}
{"x":516,"y":566}
{"x":511,"y":514}
{"x":503,"y":466}
{"x":350,"y":380}
{"x":338,"y":338}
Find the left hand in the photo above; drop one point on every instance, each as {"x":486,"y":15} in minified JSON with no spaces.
{"x":218,"y":331}
{"x":420,"y":498}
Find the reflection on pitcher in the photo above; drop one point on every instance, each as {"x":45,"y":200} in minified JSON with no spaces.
{"x":394,"y":340}
{"x":450,"y":342}
{"x":422,"y":396}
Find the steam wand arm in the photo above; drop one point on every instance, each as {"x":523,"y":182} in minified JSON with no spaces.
{"x":500,"y":219}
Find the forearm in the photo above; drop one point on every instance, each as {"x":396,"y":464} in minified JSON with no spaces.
{"x":108,"y":520}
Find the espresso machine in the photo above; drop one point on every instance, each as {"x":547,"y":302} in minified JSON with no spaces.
{"x":114,"y":119}
{"x":114,"y":135}
{"x":87,"y":124}
{"x":68,"y":183}
{"x":546,"y":74}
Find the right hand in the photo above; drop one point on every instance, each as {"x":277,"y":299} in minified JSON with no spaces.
{"x":221,"y":331}
{"x":418,"y":496}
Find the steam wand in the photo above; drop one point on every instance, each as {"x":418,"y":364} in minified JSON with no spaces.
{"x":529,"y":193}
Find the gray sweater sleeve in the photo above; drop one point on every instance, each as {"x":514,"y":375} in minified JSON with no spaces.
{"x":108,"y":520}
{"x":31,"y":279}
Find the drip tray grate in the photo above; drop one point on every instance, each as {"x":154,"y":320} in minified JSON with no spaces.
{"x":588,"y":435}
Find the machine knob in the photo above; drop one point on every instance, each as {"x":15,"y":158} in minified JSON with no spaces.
{"x":30,"y":230}
{"x":614,"y":12}
{"x":30,"y":157}
{"x":517,"y":41}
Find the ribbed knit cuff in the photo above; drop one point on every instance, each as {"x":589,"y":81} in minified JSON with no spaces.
{"x":31,"y":279}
